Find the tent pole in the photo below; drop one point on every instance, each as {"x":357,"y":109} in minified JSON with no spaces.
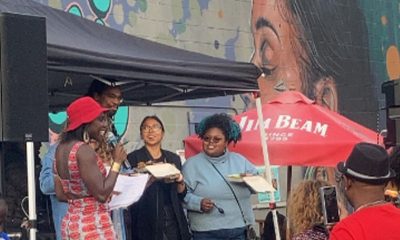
{"x":30,"y":159}
{"x":268,"y":172}
{"x":2,"y":169}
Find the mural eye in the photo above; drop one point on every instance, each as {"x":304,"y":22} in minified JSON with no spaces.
{"x":266,"y":56}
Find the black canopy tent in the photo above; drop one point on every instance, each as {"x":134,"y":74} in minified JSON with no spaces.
{"x":80,"y":50}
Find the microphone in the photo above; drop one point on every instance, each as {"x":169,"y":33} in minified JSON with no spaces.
{"x":113,"y":141}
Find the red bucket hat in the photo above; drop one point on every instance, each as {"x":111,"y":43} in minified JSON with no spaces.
{"x":83,"y":110}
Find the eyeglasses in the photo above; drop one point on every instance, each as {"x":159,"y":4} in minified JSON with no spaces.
{"x":155,"y":128}
{"x":215,"y":140}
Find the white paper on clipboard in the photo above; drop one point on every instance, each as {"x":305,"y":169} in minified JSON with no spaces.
{"x":128,"y":190}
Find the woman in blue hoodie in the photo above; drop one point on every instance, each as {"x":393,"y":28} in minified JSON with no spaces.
{"x":217,"y":208}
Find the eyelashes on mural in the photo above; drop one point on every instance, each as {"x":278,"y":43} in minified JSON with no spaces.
{"x":266,"y":71}
{"x":266,"y":55}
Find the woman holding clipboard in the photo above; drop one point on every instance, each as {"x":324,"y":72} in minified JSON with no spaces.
{"x":158,"y":215}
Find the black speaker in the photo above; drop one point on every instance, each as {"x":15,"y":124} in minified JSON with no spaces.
{"x":393,"y":133}
{"x":23,"y":78}
{"x":391,"y":89}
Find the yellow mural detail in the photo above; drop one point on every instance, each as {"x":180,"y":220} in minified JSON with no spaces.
{"x":393,"y":62}
{"x":118,"y":13}
{"x":384,"y":20}
{"x":221,"y":14}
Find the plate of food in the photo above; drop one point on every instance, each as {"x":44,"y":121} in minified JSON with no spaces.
{"x":162,"y":170}
{"x":237,"y":177}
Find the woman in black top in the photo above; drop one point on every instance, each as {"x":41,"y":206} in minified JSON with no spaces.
{"x":158,"y":215}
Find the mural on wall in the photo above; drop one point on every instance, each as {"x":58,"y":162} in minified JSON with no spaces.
{"x":179,"y":23}
{"x":337,"y":52}
{"x":318,"y":47}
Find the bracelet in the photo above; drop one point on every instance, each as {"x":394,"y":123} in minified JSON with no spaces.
{"x":116,"y":167}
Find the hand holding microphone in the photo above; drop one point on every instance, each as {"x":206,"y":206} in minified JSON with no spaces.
{"x":119,"y":153}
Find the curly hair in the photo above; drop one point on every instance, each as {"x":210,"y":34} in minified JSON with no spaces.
{"x":222,"y":121}
{"x":304,"y":208}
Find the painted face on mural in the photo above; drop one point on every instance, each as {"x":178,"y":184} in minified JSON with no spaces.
{"x":279,"y":53}
{"x":274,"y":49}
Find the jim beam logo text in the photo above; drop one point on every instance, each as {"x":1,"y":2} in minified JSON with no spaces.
{"x":284,"y":122}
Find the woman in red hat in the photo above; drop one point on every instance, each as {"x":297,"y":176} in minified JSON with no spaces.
{"x":81,"y":176}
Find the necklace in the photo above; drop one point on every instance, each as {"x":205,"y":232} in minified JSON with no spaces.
{"x":370,"y":204}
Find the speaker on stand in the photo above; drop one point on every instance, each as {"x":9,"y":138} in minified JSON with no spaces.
{"x":23,"y":88}
{"x":391,"y":89}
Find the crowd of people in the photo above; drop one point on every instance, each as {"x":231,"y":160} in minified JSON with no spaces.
{"x":80,"y":171}
{"x":199,"y":203}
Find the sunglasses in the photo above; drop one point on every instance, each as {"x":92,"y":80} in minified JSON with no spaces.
{"x":215,"y":140}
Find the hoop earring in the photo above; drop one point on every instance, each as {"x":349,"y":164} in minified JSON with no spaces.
{"x":86,"y":137}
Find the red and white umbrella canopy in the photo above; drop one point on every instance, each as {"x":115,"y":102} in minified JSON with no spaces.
{"x":299,"y":132}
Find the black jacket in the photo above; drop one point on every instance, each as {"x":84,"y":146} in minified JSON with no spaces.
{"x":147,"y":215}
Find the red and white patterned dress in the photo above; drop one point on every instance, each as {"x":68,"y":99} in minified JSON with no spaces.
{"x":86,"y":217}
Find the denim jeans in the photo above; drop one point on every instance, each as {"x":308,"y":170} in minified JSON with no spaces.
{"x":226,"y":234}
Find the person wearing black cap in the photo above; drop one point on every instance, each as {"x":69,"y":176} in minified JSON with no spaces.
{"x":363,"y":177}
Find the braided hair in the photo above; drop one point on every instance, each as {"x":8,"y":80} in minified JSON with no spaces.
{"x":229,"y":127}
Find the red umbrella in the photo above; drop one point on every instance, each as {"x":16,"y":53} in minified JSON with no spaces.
{"x":299,"y":132}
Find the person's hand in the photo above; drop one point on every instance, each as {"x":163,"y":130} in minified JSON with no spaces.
{"x":206,"y":205}
{"x":119,"y":153}
{"x":179,"y":178}
{"x":329,"y":227}
{"x":174,"y":178}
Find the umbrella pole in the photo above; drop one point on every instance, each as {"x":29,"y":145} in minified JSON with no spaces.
{"x":288,"y":181}
{"x":268,"y":172}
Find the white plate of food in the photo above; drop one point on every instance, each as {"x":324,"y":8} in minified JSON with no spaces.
{"x":237,"y":177}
